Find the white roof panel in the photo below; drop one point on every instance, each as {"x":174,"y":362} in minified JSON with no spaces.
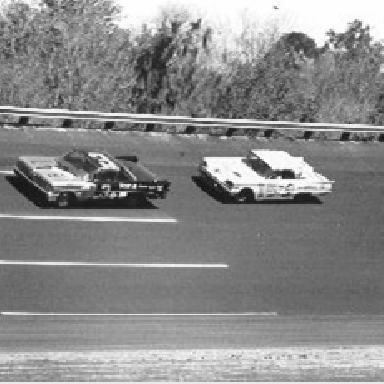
{"x":279,"y":160}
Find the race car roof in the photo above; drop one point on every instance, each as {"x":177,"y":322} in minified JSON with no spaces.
{"x":91,"y":160}
{"x":278,"y":160}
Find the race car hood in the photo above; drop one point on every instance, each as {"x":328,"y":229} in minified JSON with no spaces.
{"x":48,"y":169}
{"x":58,"y":177}
{"x":233,"y":169}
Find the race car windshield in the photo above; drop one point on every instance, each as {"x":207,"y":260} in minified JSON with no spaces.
{"x":259,"y":166}
{"x":80,"y":162}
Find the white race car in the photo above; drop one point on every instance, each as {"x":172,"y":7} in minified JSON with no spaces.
{"x":263,"y":175}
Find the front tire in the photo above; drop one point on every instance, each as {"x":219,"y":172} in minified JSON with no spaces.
{"x":44,"y":203}
{"x":245,"y":196}
{"x":64,"y":200}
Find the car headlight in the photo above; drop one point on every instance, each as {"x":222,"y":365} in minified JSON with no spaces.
{"x":328,"y":186}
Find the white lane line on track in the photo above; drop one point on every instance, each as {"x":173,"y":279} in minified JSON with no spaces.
{"x":20,"y":313}
{"x":119,"y":265}
{"x":7,"y":173}
{"x":90,"y":218}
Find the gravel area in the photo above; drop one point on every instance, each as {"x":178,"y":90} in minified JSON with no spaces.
{"x":267,"y":364}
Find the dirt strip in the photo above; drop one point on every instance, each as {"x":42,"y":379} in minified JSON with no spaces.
{"x":359,"y":363}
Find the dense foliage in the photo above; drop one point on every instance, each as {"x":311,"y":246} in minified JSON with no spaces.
{"x":73,"y":54}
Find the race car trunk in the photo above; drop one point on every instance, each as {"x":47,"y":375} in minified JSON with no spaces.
{"x":141,"y":173}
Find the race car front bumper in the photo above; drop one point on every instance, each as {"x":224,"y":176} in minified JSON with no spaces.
{"x":52,"y":196}
{"x":216,"y":185}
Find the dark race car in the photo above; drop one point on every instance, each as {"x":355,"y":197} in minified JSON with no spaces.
{"x":81,"y":175}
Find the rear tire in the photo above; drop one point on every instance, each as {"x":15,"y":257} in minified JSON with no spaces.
{"x":134,"y":201}
{"x":303,"y":197}
{"x":245,"y":196}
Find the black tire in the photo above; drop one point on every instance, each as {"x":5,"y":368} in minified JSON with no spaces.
{"x":65,"y":200}
{"x":303,"y":197}
{"x":135,"y":200}
{"x":21,"y":181}
{"x":43,"y":202}
{"x":245,"y":196}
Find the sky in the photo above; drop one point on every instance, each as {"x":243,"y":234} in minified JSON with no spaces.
{"x":313,"y":17}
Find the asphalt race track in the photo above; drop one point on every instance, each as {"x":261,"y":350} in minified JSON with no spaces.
{"x":192,"y":271}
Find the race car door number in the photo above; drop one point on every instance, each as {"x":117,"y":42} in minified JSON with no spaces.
{"x":271,"y":190}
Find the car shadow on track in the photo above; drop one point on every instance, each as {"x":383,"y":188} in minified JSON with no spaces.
{"x":34,"y":196}
{"x":228,"y":200}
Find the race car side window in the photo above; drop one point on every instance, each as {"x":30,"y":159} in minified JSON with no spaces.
{"x":285,"y":174}
{"x":288,"y":174}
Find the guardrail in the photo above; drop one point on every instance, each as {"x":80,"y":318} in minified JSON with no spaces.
{"x":190,"y":124}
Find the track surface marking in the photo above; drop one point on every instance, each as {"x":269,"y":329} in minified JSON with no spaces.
{"x":104,"y":219}
{"x":113,"y":265}
{"x":20,"y":313}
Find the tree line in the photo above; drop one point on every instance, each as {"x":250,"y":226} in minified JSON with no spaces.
{"x":74,"y":54}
